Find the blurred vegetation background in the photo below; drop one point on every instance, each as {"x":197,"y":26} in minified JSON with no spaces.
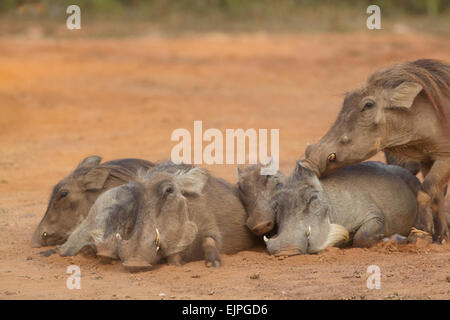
{"x":141,"y":17}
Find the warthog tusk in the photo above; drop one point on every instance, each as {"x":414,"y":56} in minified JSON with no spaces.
{"x":157,"y":240}
{"x":118,"y":236}
{"x":308,"y":233}
{"x":265,"y":239}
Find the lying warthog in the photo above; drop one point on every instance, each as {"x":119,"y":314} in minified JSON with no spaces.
{"x":404,"y":110}
{"x":256,"y":192}
{"x":73,"y":196}
{"x":411,"y":166}
{"x":361,"y":203}
{"x":182,"y":215}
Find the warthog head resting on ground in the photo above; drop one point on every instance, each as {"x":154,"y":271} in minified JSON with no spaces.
{"x":164,"y":226}
{"x":380,"y":115}
{"x":74,"y":195}
{"x":303,"y":217}
{"x":256,"y":192}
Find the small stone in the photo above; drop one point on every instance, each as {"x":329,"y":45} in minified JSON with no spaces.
{"x":254,"y":276}
{"x":448,"y":278}
{"x":195,"y":276}
{"x":47,"y":253}
{"x":29,"y":258}
{"x":162,"y":294}
{"x":211,"y":292}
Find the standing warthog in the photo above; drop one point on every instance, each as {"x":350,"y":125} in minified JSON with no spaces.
{"x":178,"y":212}
{"x":361,"y":203}
{"x":404,"y":110}
{"x":73,"y":196}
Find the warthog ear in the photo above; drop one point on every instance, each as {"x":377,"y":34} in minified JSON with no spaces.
{"x":404,"y":94}
{"x":192,"y":181}
{"x":90,"y":162}
{"x":95,"y":179}
{"x":303,"y":172}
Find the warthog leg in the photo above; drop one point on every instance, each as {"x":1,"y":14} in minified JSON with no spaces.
{"x":175,"y":259}
{"x":212,"y":256}
{"x":370,"y":232}
{"x":431,"y":197}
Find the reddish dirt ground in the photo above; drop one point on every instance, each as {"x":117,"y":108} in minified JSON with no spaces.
{"x":61,"y":100}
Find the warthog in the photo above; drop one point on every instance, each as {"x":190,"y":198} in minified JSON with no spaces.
{"x":256,"y":192}
{"x":357,"y":205}
{"x":182,"y":215}
{"x":364,"y":202}
{"x":74,"y":195}
{"x":404,"y":110}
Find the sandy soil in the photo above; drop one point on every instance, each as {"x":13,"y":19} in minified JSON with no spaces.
{"x":62,"y":100}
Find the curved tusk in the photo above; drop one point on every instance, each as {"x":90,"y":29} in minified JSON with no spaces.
{"x":308,"y":233}
{"x":158,"y":240}
{"x":265,"y":239}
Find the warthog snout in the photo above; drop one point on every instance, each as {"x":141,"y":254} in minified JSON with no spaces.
{"x":136,"y":265}
{"x":278,"y":246}
{"x":287,"y":252}
{"x":263,"y":227}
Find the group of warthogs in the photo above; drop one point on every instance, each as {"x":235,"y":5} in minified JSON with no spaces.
{"x":143,"y":213}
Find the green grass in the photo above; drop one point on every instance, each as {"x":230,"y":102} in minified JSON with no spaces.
{"x":139,"y":17}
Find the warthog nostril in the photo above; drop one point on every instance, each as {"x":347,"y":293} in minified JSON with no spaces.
{"x":331,"y":157}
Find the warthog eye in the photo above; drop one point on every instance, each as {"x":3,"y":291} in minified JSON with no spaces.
{"x":368,"y":105}
{"x":169,"y":189}
{"x":63,"y":193}
{"x":44,"y":235}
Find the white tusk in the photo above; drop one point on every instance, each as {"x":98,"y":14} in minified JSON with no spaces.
{"x":265,"y":239}
{"x":309,"y":231}
{"x":158,"y":239}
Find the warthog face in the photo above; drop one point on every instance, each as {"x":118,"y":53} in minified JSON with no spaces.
{"x":256,"y":192}
{"x":303,"y":217}
{"x":363,"y":126}
{"x":164,"y":227}
{"x":70,"y":202}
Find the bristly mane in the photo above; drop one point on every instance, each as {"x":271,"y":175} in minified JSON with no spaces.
{"x":432,"y":75}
